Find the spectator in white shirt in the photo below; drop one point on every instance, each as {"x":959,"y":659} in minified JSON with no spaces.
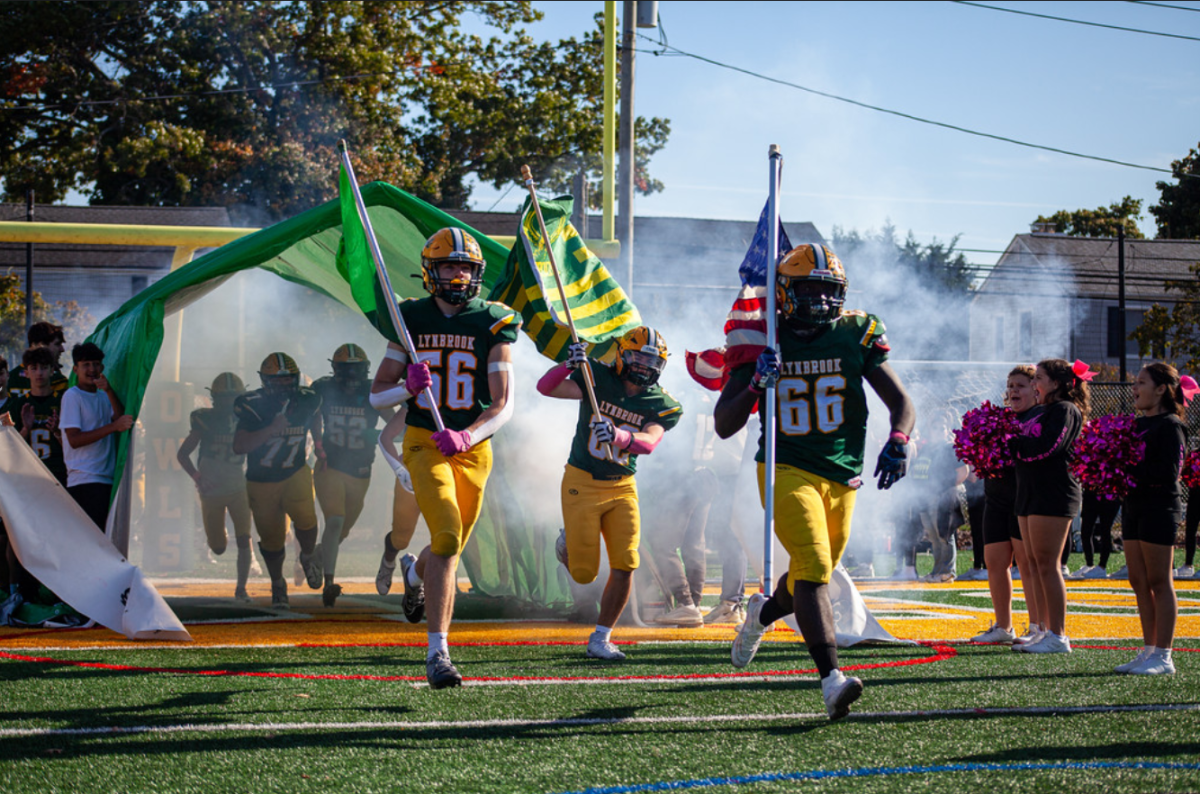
{"x":91,"y":414}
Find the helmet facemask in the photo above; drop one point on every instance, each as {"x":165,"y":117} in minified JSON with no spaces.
{"x":641,"y":368}
{"x":281,"y":386}
{"x":454,"y":290}
{"x":809,"y":305}
{"x":350,"y":372}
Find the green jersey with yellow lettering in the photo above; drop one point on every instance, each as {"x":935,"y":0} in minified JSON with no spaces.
{"x":822,"y":406}
{"x":279,"y":457}
{"x":348,"y":426}
{"x":652,"y":406}
{"x":219,"y":464}
{"x":456,"y":348}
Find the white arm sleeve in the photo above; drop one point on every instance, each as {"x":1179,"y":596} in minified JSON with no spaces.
{"x":389,"y":397}
{"x":489,"y":428}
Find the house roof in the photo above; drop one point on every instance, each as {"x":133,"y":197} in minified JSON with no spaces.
{"x":12,"y":255}
{"x":1088,"y":267}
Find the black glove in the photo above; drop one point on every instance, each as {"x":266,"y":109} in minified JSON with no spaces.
{"x":892,"y":463}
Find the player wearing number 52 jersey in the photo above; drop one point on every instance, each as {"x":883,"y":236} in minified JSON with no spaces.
{"x":824,"y":355}
{"x":220,"y":475}
{"x":599,"y":495}
{"x":464,"y":361}
{"x":349,"y":423}
{"x":273,"y":425}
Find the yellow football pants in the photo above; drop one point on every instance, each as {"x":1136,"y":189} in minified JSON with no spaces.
{"x":272,"y":503}
{"x":812,"y":521}
{"x":212,"y":513}
{"x":405,"y":514}
{"x":449,"y":491}
{"x":595,"y":509}
{"x":339,"y":494}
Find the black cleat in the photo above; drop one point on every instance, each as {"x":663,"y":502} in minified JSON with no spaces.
{"x":440,"y":672}
{"x":330,"y":594}
{"x":414,"y":597}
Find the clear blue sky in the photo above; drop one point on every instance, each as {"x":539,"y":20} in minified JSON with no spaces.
{"x":1126,"y":96}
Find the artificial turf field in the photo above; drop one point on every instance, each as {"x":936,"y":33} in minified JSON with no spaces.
{"x":334,"y":700}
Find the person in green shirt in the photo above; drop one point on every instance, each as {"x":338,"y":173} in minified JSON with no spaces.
{"x":599,"y":494}
{"x":825,"y":354}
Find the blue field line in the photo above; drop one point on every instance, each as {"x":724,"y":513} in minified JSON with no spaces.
{"x":824,"y":774}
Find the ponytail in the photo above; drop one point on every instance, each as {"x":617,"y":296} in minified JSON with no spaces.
{"x":1072,"y":380}
{"x":1175,"y":396}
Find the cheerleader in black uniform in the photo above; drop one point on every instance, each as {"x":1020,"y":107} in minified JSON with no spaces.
{"x":1048,"y":497}
{"x":1001,"y":533}
{"x":1152,"y":511}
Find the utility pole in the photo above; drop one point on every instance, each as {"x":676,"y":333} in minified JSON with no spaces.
{"x":1121,"y":331}
{"x":28,"y":263}
{"x":625,"y":137}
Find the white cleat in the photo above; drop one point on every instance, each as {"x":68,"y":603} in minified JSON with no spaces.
{"x":600,"y":648}
{"x":839,"y":691}
{"x":750,"y":633}
{"x":996,"y":635}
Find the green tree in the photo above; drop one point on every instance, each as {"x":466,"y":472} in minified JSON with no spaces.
{"x":77,"y":323}
{"x":1100,"y":222}
{"x":1177,"y":212}
{"x":1173,"y":335}
{"x":241,"y":104}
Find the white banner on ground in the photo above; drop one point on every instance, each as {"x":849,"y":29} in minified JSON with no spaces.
{"x":57,"y":543}
{"x":853,"y":622}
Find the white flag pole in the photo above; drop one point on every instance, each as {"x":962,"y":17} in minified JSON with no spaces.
{"x":769,"y":416}
{"x":385,"y":281}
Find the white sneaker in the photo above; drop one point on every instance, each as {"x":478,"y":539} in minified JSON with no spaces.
{"x":1123,"y":573}
{"x":996,"y":635}
{"x":600,"y":648}
{"x":906,"y":574}
{"x":1157,"y":663}
{"x":1081,"y":573}
{"x":560,"y":548}
{"x":864,"y":571}
{"x":726,"y":612}
{"x":1066,"y":571}
{"x":839,"y":691}
{"x":1015,"y":573}
{"x":1095,"y":572}
{"x":1050,"y":643}
{"x":685,"y":615}
{"x":1134,"y":662}
{"x":383,"y":577}
{"x":1185,"y":572}
{"x":938,"y":578}
{"x":750,"y":633}
{"x":974,"y":575}
{"x":1031,"y":635}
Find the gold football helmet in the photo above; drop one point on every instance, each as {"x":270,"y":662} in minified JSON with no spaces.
{"x":350,"y":363}
{"x":641,"y":356}
{"x":810,"y":287}
{"x":452,"y":245}
{"x":226,"y":388}
{"x":280,"y":375}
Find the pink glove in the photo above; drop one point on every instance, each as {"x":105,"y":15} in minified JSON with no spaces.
{"x":450,"y":442}
{"x":417,"y":378}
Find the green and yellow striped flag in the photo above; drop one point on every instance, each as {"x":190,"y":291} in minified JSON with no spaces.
{"x":600,"y":308}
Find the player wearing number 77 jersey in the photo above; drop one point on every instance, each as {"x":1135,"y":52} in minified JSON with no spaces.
{"x":273,"y":425}
{"x":824,"y":356}
{"x":463,"y":348}
{"x":599,"y":496}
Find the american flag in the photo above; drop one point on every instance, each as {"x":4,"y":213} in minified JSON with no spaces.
{"x":746,"y":323}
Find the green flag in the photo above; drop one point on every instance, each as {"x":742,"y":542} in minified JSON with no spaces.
{"x":599,"y":307}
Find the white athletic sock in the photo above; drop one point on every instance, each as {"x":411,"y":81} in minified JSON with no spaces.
{"x":437,"y":642}
{"x":412,"y":578}
{"x":604,"y":631}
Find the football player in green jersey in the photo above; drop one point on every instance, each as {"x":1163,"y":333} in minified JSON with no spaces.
{"x":599,"y":495}
{"x":463,"y":345}
{"x":273,"y":425}
{"x":825,"y":353}
{"x":220,"y":475}
{"x":342,"y":479}
{"x":49,"y":336}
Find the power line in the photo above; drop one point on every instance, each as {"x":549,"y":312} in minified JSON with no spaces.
{"x":1076,"y":21}
{"x":1163,"y":5}
{"x":903,"y":115}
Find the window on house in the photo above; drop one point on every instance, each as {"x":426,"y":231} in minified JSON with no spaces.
{"x":1133,"y":318}
{"x":137,"y":284}
{"x":1025,"y":336}
{"x":998,"y":337}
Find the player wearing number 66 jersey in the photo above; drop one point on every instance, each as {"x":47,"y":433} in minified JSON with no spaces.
{"x":599,"y":495}
{"x":825,"y":353}
{"x":463,"y":348}
{"x":273,"y":425}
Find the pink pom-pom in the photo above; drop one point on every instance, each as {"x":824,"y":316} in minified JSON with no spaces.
{"x":1106,"y":453}
{"x":983,"y":440}
{"x":1191,"y":470}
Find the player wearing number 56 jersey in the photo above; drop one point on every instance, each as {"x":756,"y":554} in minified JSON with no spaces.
{"x":464,"y":361}
{"x":825,"y":354}
{"x":599,"y":495}
{"x":349,"y":423}
{"x":35,"y":415}
{"x":273,"y":425}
